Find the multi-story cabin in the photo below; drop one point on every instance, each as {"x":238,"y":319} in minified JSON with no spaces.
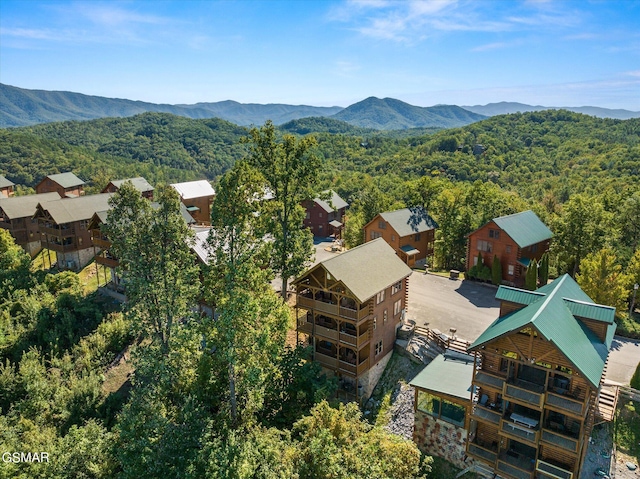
{"x":102,"y":244}
{"x":325,"y":217}
{"x":139,"y":183}
{"x":409,"y":231}
{"x":16,"y":216}
{"x":197,"y":196}
{"x":67,"y":185}
{"x":349,"y":307}
{"x":63,"y":224}
{"x":539,"y":370}
{"x":6,"y":187}
{"x":515,"y":239}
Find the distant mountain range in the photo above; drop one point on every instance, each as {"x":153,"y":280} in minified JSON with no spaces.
{"x":505,"y":107}
{"x":22,"y":107}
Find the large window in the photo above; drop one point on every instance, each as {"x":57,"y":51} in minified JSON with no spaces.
{"x":397,"y":307}
{"x":380,"y":297}
{"x":396,"y":287}
{"x":484,"y":245}
{"x":375,"y":234}
{"x":441,"y":408}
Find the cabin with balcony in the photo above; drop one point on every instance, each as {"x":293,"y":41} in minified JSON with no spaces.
{"x":441,"y":406}
{"x":409,"y":231}
{"x":139,"y":183}
{"x":541,"y":366}
{"x":67,"y":185}
{"x":64,"y":228}
{"x":197,"y":196}
{"x":325,"y":217}
{"x":16,"y":216}
{"x":6,"y":187}
{"x":102,"y":246}
{"x":515,"y":239}
{"x":349,"y":308}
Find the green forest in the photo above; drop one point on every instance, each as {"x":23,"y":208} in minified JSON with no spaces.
{"x":228,"y":399}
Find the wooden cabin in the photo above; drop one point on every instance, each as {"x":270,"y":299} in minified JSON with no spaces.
{"x":409,"y":231}
{"x":16,"y":216}
{"x":441,"y":406}
{"x":139,"y":183}
{"x":197,"y":196}
{"x":349,"y":308}
{"x":515,"y":239}
{"x":325,"y":217}
{"x":540,"y":369}
{"x":63,"y":226}
{"x":6,"y":187}
{"x":67,"y":185}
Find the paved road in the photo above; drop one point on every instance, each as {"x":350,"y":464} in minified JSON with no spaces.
{"x":623,"y":360}
{"x":441,"y":303}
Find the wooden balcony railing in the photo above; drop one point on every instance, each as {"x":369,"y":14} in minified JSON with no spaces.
{"x":108,"y":262}
{"x":332,"y":309}
{"x":486,"y":415}
{"x":485,"y":379}
{"x":566,"y":404}
{"x":101,"y":243}
{"x":325,"y":360}
{"x":518,"y":432}
{"x":482,"y":453}
{"x":525,"y":392}
{"x":560,"y":440}
{"x":546,"y":470}
{"x":514,"y":471}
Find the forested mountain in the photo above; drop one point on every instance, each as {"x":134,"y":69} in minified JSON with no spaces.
{"x":391,"y":114}
{"x":504,"y":107}
{"x":21,"y":107}
{"x":158,"y":146}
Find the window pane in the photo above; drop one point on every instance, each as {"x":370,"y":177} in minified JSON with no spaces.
{"x":428,"y":403}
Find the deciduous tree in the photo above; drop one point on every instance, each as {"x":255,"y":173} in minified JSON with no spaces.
{"x":602,"y":279}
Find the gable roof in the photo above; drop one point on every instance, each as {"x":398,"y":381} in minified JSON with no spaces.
{"x":68,"y":210}
{"x":25,"y":206}
{"x":139,"y":183}
{"x":366,"y":269}
{"x":333,"y":203}
{"x":524,"y":228}
{"x":408,"y":221}
{"x":5,"y":183}
{"x":553,"y":315}
{"x":66,"y":180}
{"x":194,"y":189}
{"x":447,"y":374}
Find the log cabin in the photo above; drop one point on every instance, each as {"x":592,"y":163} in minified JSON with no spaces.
{"x":16,"y":216}
{"x":325,"y":217}
{"x":139,"y":183}
{"x":409,"y":231}
{"x":197,"y":196}
{"x":67,"y":185}
{"x":349,"y":308}
{"x":515,"y":239}
{"x":6,"y":187}
{"x":540,"y":367}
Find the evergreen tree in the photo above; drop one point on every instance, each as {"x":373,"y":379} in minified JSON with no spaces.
{"x":531,"y":277}
{"x":543,"y":270}
{"x":496,"y":271}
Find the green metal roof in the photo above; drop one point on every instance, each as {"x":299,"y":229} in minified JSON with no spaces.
{"x":524,"y":228}
{"x":598,"y":312}
{"x":68,"y":210}
{"x":139,"y":183}
{"x":333,"y":203}
{"x":25,"y":206}
{"x":553,"y":316}
{"x":5,"y":183}
{"x":66,"y":180}
{"x":516,"y":295}
{"x":366,"y":269}
{"x":446,"y":375}
{"x":408,"y":221}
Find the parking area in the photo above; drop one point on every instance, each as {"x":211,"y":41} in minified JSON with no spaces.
{"x":441,"y":303}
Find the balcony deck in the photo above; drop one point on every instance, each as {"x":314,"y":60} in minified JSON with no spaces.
{"x":487,"y":455}
{"x":560,"y":440}
{"x":484,"y":379}
{"x":546,"y":470}
{"x":572,"y":406}
{"x":332,"y":309}
{"x":485,"y":414}
{"x":518,"y":467}
{"x":525,"y":434}
{"x":525,"y":392}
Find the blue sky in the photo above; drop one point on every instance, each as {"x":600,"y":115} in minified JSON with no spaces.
{"x":324,"y":53}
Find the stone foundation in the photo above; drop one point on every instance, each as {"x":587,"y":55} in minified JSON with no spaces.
{"x":369,"y":379}
{"x":76,"y":260}
{"x":436,"y":437}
